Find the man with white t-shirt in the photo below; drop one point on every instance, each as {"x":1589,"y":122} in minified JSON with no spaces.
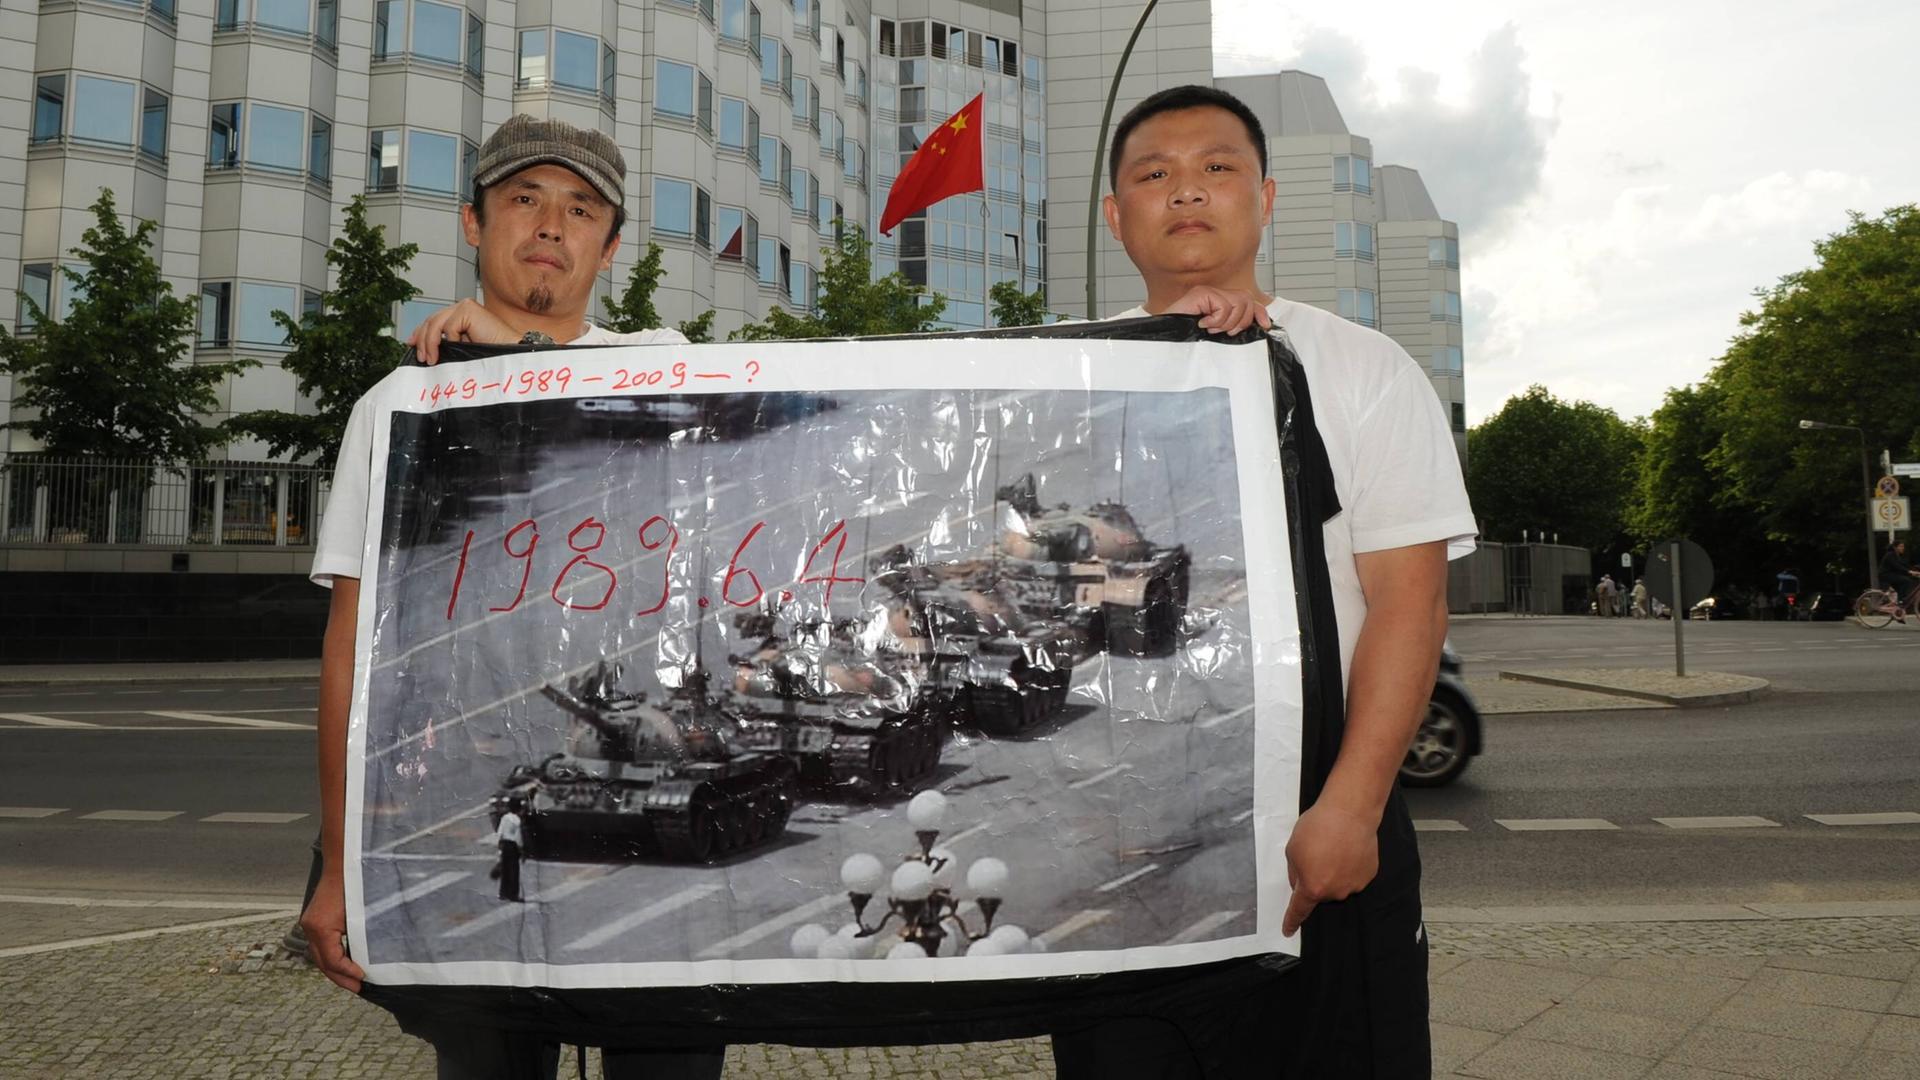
{"x":548,"y":204}
{"x":1190,"y":199}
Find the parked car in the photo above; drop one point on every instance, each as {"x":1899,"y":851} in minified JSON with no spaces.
{"x":1829,"y":607}
{"x":1449,"y":735}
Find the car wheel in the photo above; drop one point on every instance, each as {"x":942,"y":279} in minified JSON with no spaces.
{"x":1439,"y":752}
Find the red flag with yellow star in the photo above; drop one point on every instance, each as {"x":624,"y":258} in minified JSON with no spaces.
{"x":948,"y":163}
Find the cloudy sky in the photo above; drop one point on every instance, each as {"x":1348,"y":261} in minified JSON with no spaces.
{"x":1623,"y":179}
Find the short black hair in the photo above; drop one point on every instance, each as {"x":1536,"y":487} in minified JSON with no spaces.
{"x":479,"y":205}
{"x":1191,"y":96}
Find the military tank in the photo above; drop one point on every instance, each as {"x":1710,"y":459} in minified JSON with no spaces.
{"x":853,"y":715}
{"x":687,"y":778}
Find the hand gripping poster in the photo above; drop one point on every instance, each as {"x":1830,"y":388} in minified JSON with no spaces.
{"x":938,"y":659}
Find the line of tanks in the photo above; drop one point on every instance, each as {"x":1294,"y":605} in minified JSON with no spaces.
{"x":856,"y":707}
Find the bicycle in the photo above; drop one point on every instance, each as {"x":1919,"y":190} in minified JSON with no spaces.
{"x":1876,"y":608}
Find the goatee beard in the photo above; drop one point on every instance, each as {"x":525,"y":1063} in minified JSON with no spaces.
{"x":539,"y":300}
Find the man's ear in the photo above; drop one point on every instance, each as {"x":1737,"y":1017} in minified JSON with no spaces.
{"x":606,"y":257}
{"x":470,"y":225}
{"x":1111,"y":206}
{"x":1267,"y":189}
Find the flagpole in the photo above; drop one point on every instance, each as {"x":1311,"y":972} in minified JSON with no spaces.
{"x":986,"y":220}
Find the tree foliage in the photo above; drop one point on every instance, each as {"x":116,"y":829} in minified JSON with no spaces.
{"x":338,"y":353}
{"x":1543,"y":464}
{"x":634,"y":310}
{"x":113,"y":378}
{"x":851,"y":303}
{"x":1011,"y":307}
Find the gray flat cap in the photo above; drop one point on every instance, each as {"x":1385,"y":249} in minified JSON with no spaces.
{"x":524,"y":140}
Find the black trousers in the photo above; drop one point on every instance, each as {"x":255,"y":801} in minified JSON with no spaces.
{"x":473,"y":1053}
{"x":509,"y":870}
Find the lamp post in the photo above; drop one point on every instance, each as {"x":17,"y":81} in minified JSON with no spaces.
{"x":1100,"y":163}
{"x":1866,"y":483}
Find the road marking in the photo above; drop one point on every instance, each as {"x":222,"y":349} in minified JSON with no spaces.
{"x":1717,"y":823}
{"x":1104,"y":774}
{"x":507,"y":912}
{"x":1898,"y":818}
{"x":30,"y":811}
{"x":1213,"y":721}
{"x":414,"y":892}
{"x":1122,"y":880}
{"x":236,"y":721}
{"x":961,"y":837}
{"x":1204,"y":928}
{"x":1437,"y":825}
{"x":614,"y":929}
{"x":774,"y":925}
{"x":131,"y":815}
{"x":99,"y":902}
{"x":242,"y":817}
{"x":1573,"y":824}
{"x":387,"y":848}
{"x":1240,"y":817}
{"x":1074,"y":925}
{"x":41,"y":721}
{"x":141,"y":935}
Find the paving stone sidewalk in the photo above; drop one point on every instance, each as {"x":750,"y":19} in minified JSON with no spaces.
{"x":1662,"y":1000}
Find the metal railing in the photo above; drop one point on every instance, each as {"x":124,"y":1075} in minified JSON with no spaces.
{"x":105,"y":502}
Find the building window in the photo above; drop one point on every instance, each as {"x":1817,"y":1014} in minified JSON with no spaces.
{"x":825,"y":214}
{"x":1352,"y":173}
{"x":153,"y":125}
{"x":769,"y":161}
{"x":431,"y":158}
{"x":798,"y":91}
{"x":830,"y":135}
{"x":1357,"y":305}
{"x":705,"y":106}
{"x":412,"y":314}
{"x":733,"y":20}
{"x":573,"y":60}
{"x":476,"y":46}
{"x":1445,"y":307}
{"x":216,"y":313}
{"x":739,"y":234}
{"x":673,"y":89}
{"x":533,"y":58}
{"x":672,"y":206}
{"x":320,"y":150}
{"x":1353,"y":240}
{"x":770,"y":63}
{"x":853,"y":162}
{"x":287,"y":15}
{"x":797,"y":191}
{"x":102,"y":110}
{"x":469,"y":160}
{"x":733,"y":123}
{"x":223,"y":137}
{"x":383,"y":159}
{"x":800,"y":285}
{"x":607,"y":80}
{"x":1447,"y":360}
{"x":36,"y":284}
{"x":860,"y":83}
{"x":49,"y":107}
{"x":277,"y":137}
{"x":436,"y":32}
{"x":389,"y":29}
{"x":258,"y":302}
{"x":1459,"y":417}
{"x":702,"y":218}
{"x":1443,"y":251}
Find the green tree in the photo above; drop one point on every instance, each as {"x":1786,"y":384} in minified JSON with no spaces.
{"x":1679,"y":492}
{"x":1545,"y":464}
{"x":851,"y":303}
{"x":634,"y":311}
{"x":338,"y":353}
{"x":113,"y":379}
{"x":1011,"y":307}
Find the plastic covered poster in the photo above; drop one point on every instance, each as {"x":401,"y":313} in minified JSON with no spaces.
{"x":930,"y":659}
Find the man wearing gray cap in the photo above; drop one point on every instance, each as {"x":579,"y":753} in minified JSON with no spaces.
{"x":548,"y":204}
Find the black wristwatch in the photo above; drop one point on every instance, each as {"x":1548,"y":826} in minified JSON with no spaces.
{"x":536,"y":337}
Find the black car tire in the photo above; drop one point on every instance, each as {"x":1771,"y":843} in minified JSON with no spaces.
{"x":1440,"y":750}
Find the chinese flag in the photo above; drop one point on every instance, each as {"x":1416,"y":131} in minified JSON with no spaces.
{"x":948,"y":163}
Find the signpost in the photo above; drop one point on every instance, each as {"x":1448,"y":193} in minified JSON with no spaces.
{"x":1910,"y":468}
{"x":1890,"y":514}
{"x":1679,"y":575}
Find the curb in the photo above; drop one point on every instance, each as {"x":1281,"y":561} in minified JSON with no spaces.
{"x":1683,"y":701}
{"x":1662,"y":913}
{"x":156,"y":679}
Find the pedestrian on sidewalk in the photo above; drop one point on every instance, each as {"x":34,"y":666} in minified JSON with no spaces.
{"x":507,"y":835}
{"x":1639,"y":599}
{"x":1609,"y":596}
{"x":548,"y":204}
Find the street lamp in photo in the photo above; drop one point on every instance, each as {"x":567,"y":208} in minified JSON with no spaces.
{"x":1866,"y":481}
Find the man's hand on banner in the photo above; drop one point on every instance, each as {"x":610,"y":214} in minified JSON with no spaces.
{"x":1333,"y":854}
{"x":464,"y":321}
{"x":1223,"y":311}
{"x":325,"y":924}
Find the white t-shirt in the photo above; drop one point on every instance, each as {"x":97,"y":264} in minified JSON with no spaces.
{"x":509,"y":828}
{"x":1394,"y":466}
{"x":343,"y":527}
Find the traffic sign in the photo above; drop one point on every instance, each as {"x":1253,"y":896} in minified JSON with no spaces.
{"x":1911,"y":468}
{"x":1887,"y":487}
{"x":1889,"y":514}
{"x":1696,"y":575}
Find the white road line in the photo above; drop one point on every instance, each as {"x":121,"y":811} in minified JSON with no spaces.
{"x":387,"y":848}
{"x":508,"y":912}
{"x":41,"y":721}
{"x":1214,"y":721}
{"x":614,"y":929}
{"x":415,"y":891}
{"x":1576,"y":824}
{"x":131,"y":815}
{"x":30,"y":811}
{"x":140,"y":935}
{"x":1124,"y":879}
{"x":1104,"y":774}
{"x":1240,"y":817}
{"x":1203,"y":929}
{"x":243,"y":817}
{"x":236,"y":721}
{"x":961,"y":837}
{"x":1737,"y":822}
{"x":815,"y":909}
{"x":1901,"y":817}
{"x":1074,"y":925}
{"x":1437,"y":825}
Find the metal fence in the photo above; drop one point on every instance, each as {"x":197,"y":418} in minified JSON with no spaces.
{"x":97,"y":501}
